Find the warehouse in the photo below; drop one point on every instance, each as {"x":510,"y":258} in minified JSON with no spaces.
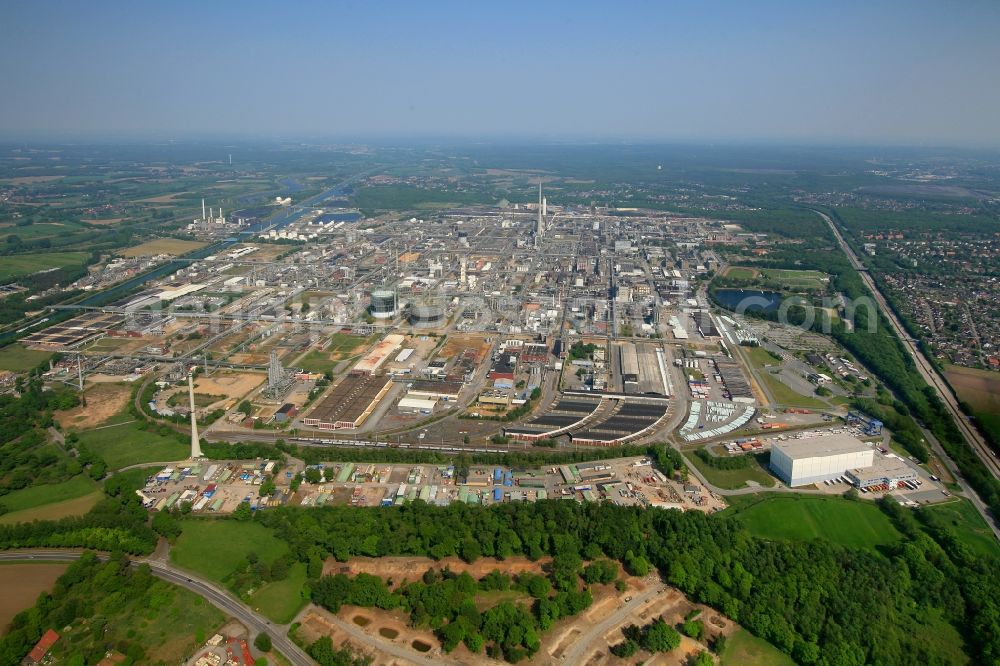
{"x":374,"y":359}
{"x":437,"y":390}
{"x":801,"y":462}
{"x":349,"y":403}
{"x":640,"y":369}
{"x":413,"y":405}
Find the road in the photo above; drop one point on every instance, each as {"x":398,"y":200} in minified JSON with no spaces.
{"x":583,"y":642}
{"x":214,"y":595}
{"x":924,"y":366}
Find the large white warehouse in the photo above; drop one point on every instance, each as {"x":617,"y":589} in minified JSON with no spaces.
{"x":800,"y":462}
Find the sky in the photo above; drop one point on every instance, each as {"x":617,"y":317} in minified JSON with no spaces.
{"x":886,"y":72}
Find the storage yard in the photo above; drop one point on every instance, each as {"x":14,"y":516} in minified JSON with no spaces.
{"x":222,"y":486}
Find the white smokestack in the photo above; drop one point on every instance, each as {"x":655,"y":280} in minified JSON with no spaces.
{"x":195,"y":442}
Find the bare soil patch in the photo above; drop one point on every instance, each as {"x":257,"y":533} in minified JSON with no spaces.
{"x":456,"y":344}
{"x":166,"y":198}
{"x":103,"y":401}
{"x":171,"y":246}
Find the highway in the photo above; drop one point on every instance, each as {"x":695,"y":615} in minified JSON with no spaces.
{"x":214,"y":595}
{"x":924,"y":366}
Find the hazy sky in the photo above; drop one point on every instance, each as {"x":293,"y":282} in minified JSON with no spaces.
{"x":907,"y":71}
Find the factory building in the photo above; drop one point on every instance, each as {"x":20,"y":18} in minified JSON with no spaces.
{"x":801,"y":462}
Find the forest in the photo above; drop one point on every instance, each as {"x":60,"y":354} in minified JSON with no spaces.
{"x":812,"y":600}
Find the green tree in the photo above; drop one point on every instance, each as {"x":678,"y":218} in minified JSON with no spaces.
{"x":263,"y":642}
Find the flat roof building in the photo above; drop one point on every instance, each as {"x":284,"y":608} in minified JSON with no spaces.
{"x":801,"y":462}
{"x":888,"y":471}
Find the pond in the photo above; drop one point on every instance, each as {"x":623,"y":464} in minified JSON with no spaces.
{"x":749,"y":300}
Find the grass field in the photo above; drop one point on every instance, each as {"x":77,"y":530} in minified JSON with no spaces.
{"x":784,"y":394}
{"x":317,"y":361}
{"x":214,"y":548}
{"x":343,"y":343}
{"x":281,"y":600}
{"x":962,"y":517}
{"x":18,"y":359}
{"x":125,"y":444}
{"x":41,"y":495}
{"x":172,"y":246}
{"x":745,"y":649}
{"x":793,"y":280}
{"x":741,"y":273}
{"x":16,"y":265}
{"x":857,"y":524}
{"x":760,"y":357}
{"x":733,"y":478}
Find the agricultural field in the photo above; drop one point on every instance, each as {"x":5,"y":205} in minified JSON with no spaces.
{"x":215,"y":548}
{"x":171,"y":246}
{"x":745,"y":649}
{"x":51,"y":500}
{"x":21,"y":583}
{"x":18,"y":359}
{"x":126,"y":444}
{"x":17,"y":265}
{"x":980,"y":389}
{"x":857,"y":524}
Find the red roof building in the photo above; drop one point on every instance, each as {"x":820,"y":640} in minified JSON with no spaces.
{"x":42,"y":647}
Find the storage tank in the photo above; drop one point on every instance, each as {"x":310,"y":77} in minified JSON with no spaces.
{"x":383,"y":303}
{"x":426,"y":316}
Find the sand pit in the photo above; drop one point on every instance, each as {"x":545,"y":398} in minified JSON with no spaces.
{"x":398,"y":569}
{"x":104,"y":400}
{"x":22,"y":583}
